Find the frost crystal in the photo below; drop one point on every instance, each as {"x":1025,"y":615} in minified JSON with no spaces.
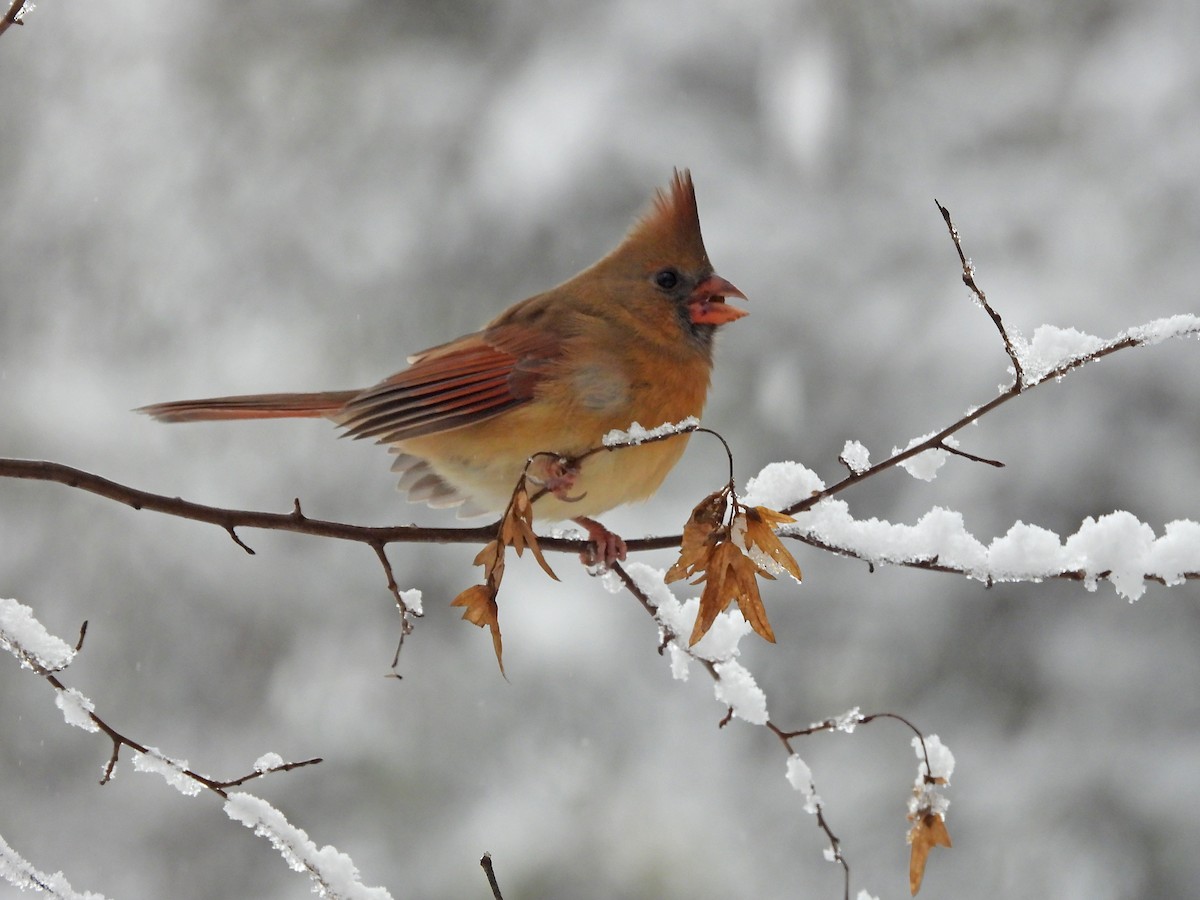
{"x":849,"y":720}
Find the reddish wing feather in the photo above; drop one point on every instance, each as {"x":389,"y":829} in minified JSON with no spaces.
{"x":469,"y":380}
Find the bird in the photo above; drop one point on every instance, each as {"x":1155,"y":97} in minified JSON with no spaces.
{"x":627,"y":340}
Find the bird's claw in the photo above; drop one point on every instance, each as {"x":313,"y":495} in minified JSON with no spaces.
{"x":605,"y":547}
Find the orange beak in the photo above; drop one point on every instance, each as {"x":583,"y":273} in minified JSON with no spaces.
{"x":707,"y":305}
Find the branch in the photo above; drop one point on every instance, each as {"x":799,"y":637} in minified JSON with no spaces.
{"x":16,"y":14}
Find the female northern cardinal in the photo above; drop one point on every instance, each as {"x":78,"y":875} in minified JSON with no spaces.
{"x":627,"y":340}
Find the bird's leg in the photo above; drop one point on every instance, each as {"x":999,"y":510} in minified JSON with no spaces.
{"x":606,"y":547}
{"x":558,"y":476}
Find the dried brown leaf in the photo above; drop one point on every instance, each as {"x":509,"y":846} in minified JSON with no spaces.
{"x":928,"y":831}
{"x":481,"y":609}
{"x":516,"y":530}
{"x":700,"y":536}
{"x":730,"y":576}
{"x":760,"y":523}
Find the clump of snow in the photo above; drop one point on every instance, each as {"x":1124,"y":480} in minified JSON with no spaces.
{"x":27,"y":639}
{"x":1025,"y":553}
{"x":928,"y":795}
{"x":333,"y":871}
{"x":1052,"y":348}
{"x":925,"y":465}
{"x":1117,"y":543}
{"x":855,"y":457}
{"x":173,"y":771}
{"x":939,"y":533}
{"x":76,"y":709}
{"x":22,"y":875}
{"x":735,"y":686}
{"x":267,"y":762}
{"x":737,"y":689}
{"x":941,"y":760}
{"x":412,"y":599}
{"x":781,"y":484}
{"x":1176,"y":553}
{"x":637,"y":434}
{"x":799,"y":776}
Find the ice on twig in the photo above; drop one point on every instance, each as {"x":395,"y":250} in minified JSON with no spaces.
{"x":1159,"y":330}
{"x":1051,"y":348}
{"x":737,"y":689}
{"x":412,"y":599}
{"x":855,"y":457}
{"x":20,"y":874}
{"x":76,"y":709}
{"x":638,"y":434}
{"x":267,"y":762}
{"x":799,"y":776}
{"x":27,"y":639}
{"x":173,"y":771}
{"x":927,"y":793}
{"x":925,"y":465}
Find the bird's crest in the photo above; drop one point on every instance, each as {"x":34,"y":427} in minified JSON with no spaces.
{"x":672,"y":225}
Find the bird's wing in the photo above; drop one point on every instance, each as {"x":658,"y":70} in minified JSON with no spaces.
{"x":467,"y":380}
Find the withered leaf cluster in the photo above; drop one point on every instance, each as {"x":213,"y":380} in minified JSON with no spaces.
{"x":728,"y":557}
{"x":516,"y":531}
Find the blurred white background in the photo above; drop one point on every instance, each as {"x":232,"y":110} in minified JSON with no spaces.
{"x":200,"y":199}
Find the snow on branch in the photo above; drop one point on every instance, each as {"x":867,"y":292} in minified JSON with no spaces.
{"x":333,"y":873}
{"x":24,"y":876}
{"x":1115,"y":547}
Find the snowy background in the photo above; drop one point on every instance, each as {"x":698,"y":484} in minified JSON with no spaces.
{"x":200,"y":199}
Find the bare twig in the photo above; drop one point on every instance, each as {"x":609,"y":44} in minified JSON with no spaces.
{"x":968,"y":277}
{"x":486,"y":862}
{"x":120,"y":740}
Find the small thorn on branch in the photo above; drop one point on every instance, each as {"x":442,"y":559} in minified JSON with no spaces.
{"x":949,"y":448}
{"x":237,"y":540}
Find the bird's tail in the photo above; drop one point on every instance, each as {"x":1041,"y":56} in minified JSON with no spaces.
{"x":325,"y":404}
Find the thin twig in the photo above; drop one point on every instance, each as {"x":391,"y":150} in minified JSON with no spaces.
{"x":968,"y":277}
{"x":486,"y":862}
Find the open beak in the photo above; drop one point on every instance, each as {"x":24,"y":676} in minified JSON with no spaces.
{"x":707,"y":306}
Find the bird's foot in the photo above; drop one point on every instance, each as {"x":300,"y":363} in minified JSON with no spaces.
{"x":605,"y":548}
{"x":557,"y":476}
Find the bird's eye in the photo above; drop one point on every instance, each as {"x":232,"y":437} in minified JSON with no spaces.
{"x":666,"y":279}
